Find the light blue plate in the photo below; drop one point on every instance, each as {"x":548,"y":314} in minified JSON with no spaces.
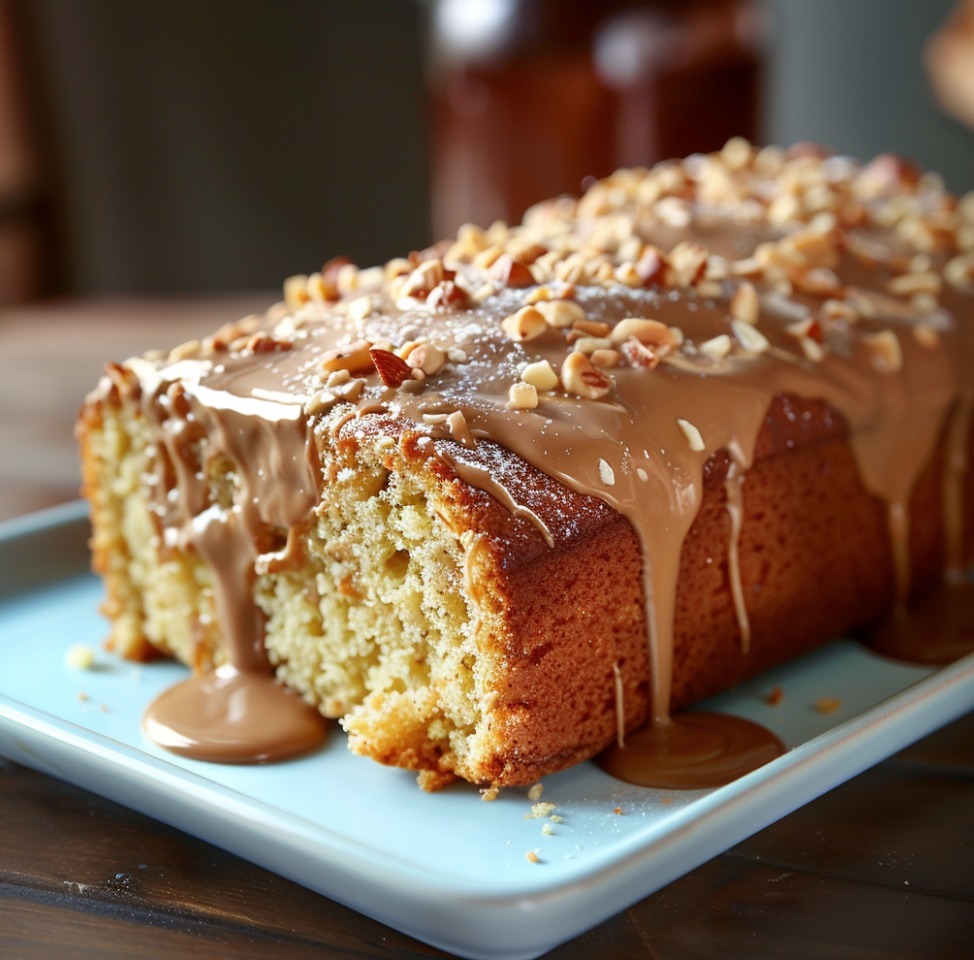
{"x":447,"y":868}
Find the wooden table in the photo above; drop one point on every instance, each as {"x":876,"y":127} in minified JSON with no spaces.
{"x":881,"y":867}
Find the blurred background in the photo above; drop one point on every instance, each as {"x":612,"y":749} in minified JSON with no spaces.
{"x":182,"y":146}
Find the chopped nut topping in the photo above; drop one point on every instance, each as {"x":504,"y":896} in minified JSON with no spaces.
{"x":265,"y":343}
{"x":913,"y":283}
{"x":522,"y":396}
{"x":579,"y":376}
{"x":185,"y":351}
{"x":710,"y":289}
{"x":594,"y":328}
{"x":540,"y":375}
{"x":674,"y":212}
{"x":426,"y":357}
{"x":737,"y":153}
{"x":744,"y":304}
{"x":588,"y":345}
{"x":749,"y":337}
{"x":627,"y":273}
{"x":470,"y":241}
{"x":351,"y":390}
{"x":564,"y":292}
{"x":651,"y":267}
{"x":812,"y":349}
{"x":360,"y":308}
{"x":448,"y":295}
{"x":809,"y":327}
{"x":639,"y":354}
{"x":296,"y":291}
{"x":692,"y":434}
{"x":959,"y":271}
{"x":526,"y":324}
{"x":926,"y":335}
{"x":322,"y":401}
{"x":560,"y":313}
{"x":511,"y":272}
{"x":316,"y":289}
{"x":717,"y":347}
{"x":925,"y":303}
{"x":423,"y":279}
{"x":392,"y":370}
{"x":487,"y":257}
{"x":606,"y":474}
{"x":884,"y":350}
{"x":688,"y":261}
{"x":605,"y":358}
{"x":839,"y":310}
{"x":354,"y":358}
{"x":652,"y":333}
{"x":397,"y":267}
{"x":346,"y":277}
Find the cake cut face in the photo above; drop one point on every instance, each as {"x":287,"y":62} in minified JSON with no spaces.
{"x":496,"y":505}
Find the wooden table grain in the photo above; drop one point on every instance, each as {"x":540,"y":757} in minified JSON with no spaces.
{"x":881,"y":867}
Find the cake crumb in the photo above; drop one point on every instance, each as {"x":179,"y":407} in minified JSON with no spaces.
{"x":540,"y":811}
{"x":617,"y":811}
{"x":547,"y":829}
{"x":80,"y":657}
{"x":83,"y":697}
{"x":827,"y":704}
{"x":534,"y":794}
{"x":774,"y":696}
{"x":490,"y":793}
{"x":532,"y":857}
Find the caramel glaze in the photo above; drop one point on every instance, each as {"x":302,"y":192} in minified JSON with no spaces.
{"x":937,"y":628}
{"x":836,"y":323}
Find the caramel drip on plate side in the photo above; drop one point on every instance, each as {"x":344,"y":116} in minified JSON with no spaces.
{"x":233,"y":716}
{"x":829,"y":318}
{"x":938,"y":628}
{"x":693,"y":751}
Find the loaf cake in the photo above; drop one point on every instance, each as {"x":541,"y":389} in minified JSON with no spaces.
{"x":500,"y":503}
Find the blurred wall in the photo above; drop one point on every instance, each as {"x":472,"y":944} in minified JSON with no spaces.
{"x":224,"y":144}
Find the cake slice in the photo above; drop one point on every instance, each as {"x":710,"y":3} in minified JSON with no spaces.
{"x":500,"y":503}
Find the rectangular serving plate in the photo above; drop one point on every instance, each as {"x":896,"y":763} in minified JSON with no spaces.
{"x":446,"y":868}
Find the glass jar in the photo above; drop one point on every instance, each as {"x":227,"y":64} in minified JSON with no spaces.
{"x":530,"y":97}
